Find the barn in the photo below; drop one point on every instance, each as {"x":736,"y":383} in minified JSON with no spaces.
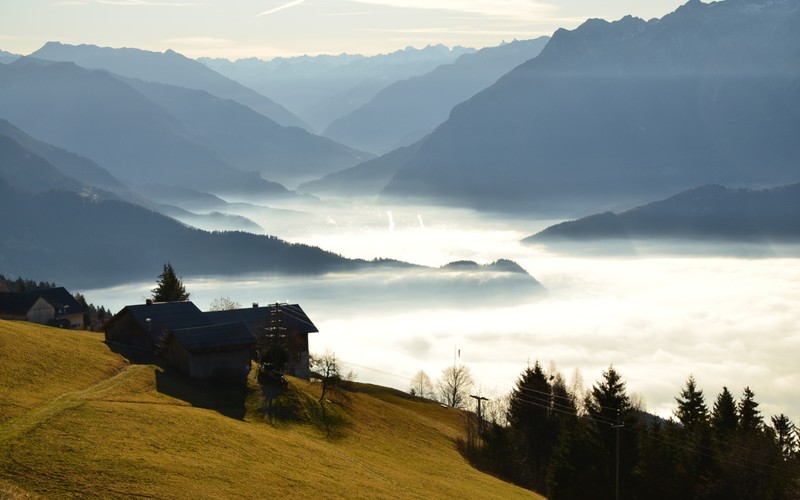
{"x":145,"y":326}
{"x":286,"y":320}
{"x":212,"y":352}
{"x":216,"y":343}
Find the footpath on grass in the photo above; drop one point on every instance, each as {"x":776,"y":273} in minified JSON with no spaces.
{"x":22,"y":424}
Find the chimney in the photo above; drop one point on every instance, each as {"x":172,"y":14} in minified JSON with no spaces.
{"x":148,"y":302}
{"x":255,"y":305}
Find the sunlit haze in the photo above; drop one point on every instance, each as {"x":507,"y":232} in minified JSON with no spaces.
{"x":267,"y":29}
{"x":657,"y":319}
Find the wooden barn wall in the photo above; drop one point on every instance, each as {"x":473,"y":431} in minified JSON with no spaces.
{"x":41,"y":312}
{"x":220,"y":364}
{"x":127,"y":331}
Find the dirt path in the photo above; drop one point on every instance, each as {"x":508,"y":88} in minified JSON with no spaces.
{"x":28,"y":421}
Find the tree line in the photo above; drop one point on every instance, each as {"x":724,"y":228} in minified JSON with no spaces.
{"x":570,"y":443}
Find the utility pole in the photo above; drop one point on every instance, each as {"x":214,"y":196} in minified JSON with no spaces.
{"x":618,"y":426}
{"x":480,"y":415}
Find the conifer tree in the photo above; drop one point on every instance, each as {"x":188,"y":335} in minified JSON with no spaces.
{"x":692,"y":411}
{"x":533,"y":429}
{"x":610,"y":408}
{"x":785,"y":435}
{"x":750,"y":419}
{"x":169,"y":287}
{"x":723,"y":417}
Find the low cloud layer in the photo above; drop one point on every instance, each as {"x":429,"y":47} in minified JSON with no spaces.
{"x":727,"y":321}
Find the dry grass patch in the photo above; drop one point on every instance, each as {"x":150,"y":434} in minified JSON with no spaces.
{"x":38,"y":363}
{"x":146,"y":431}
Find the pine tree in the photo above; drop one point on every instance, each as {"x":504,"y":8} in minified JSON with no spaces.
{"x":533,"y":429}
{"x":610,"y":408}
{"x":750,"y":419}
{"x":169,"y":287}
{"x":692,"y":411}
{"x":785,"y":435}
{"x":724,"y":419}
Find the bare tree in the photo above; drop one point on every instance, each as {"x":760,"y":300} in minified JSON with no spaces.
{"x":455,"y":385}
{"x":224,"y":304}
{"x":329,"y":371}
{"x":421,"y":385}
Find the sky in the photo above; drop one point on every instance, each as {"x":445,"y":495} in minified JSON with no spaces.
{"x":272,"y":28}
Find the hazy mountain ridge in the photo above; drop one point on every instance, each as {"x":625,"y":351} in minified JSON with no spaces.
{"x":706,"y":213}
{"x":365,"y":179}
{"x":103,"y":242}
{"x":325,"y":87}
{"x":8,"y":57}
{"x":170,"y":68}
{"x":30,"y":172}
{"x":248,"y":140}
{"x":615,"y":111}
{"x":82,"y":169}
{"x":409,"y":109}
{"x":96,"y":115}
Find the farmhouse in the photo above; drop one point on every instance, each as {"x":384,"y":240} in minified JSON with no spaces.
{"x":215,"y":344}
{"x":25,"y":307}
{"x":51,"y":306}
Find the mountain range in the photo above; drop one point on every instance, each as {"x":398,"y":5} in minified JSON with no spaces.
{"x":164,"y":136}
{"x":703,"y":214}
{"x":409,"y":109}
{"x":325,"y":87}
{"x":167,"y":67}
{"x":616,"y":111}
{"x":85,"y":241}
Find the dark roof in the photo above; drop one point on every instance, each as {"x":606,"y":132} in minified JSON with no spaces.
{"x":294,"y":318}
{"x":16,"y":303}
{"x":163,"y":316}
{"x":214,"y":337}
{"x":61,"y":299}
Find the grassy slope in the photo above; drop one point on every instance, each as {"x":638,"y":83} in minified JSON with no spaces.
{"x":78,"y":420}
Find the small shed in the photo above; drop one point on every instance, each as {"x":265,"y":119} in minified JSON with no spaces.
{"x":212,"y":352}
{"x":144,"y":326}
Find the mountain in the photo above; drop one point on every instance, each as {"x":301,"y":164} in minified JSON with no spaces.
{"x":365,"y":179}
{"x":7,"y":57}
{"x":407,"y":110}
{"x":94,"y":114}
{"x":707,"y":213}
{"x":32,"y":173}
{"x":93,"y":242}
{"x":615,"y":111}
{"x":83,"y":170}
{"x":325,"y":87}
{"x":170,"y":68}
{"x":248,"y":140}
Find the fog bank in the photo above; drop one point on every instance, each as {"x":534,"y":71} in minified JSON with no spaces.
{"x":728,"y":321}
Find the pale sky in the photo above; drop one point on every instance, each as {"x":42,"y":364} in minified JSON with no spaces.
{"x":270,"y":28}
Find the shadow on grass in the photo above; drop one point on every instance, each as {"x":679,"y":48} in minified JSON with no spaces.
{"x":225,"y":398}
{"x":296,"y":402}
